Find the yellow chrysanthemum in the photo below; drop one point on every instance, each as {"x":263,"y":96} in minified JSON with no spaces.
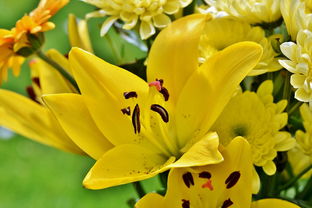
{"x":255,"y":117}
{"x":251,"y":11}
{"x":301,"y":156}
{"x":8,"y":59}
{"x":300,"y":64}
{"x":12,"y":41}
{"x":150,"y":13}
{"x":227,"y":31}
{"x":297,"y":15}
{"x":37,"y":20}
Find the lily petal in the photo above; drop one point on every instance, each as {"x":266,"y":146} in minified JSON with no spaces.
{"x":34,"y":121}
{"x":151,"y":200}
{"x":204,"y":152}
{"x":211,"y":185}
{"x":69,"y":109}
{"x":78,"y":33}
{"x":171,"y":59}
{"x":124,"y":164}
{"x":276,"y":203}
{"x":51,"y":81}
{"x":210,"y":88}
{"x":103,"y":86}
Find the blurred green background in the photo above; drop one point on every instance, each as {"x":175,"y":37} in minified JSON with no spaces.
{"x":36,"y":176}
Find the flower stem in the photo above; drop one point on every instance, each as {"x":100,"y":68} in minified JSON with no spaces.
{"x":139,"y":188}
{"x":305,"y":193}
{"x":60,"y":69}
{"x":295,"y":179}
{"x":294,"y":108}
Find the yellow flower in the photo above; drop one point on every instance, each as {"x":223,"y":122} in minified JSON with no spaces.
{"x":28,"y":117}
{"x":255,"y":117}
{"x":78,"y":33}
{"x":157,"y":125}
{"x":13,"y":42}
{"x":301,"y":156}
{"x":227,"y":31}
{"x":148,"y":13}
{"x":300,"y":64}
{"x":297,"y":15}
{"x":251,"y":11}
{"x":8,"y":59}
{"x":227,"y":184}
{"x":37,"y":20}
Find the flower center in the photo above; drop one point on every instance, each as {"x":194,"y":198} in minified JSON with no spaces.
{"x":150,"y":118}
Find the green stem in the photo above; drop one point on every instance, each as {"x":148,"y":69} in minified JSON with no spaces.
{"x":114,"y":49}
{"x":286,"y":90}
{"x":139,"y":189}
{"x":295,"y":179}
{"x":60,"y":69}
{"x":294,"y":108}
{"x":305,"y":193}
{"x":271,"y":185}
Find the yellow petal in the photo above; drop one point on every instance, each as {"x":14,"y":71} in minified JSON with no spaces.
{"x":174,"y":54}
{"x":102,"y":86}
{"x":201,"y":153}
{"x":59,"y":58}
{"x":276,"y":203}
{"x":107,"y":24}
{"x":297,"y":80}
{"x":32,"y":120}
{"x":151,"y":200}
{"x":69,"y":110}
{"x":205,"y":186}
{"x":210,"y":88}
{"x":78,"y":33}
{"x":161,"y":20}
{"x":269,"y":168}
{"x":51,"y":81}
{"x":146,"y":29}
{"x":256,"y":183}
{"x":124,"y":164}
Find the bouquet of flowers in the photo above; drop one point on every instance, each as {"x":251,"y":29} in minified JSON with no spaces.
{"x":219,"y":109}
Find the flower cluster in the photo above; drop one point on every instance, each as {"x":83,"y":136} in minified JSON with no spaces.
{"x":216,"y":108}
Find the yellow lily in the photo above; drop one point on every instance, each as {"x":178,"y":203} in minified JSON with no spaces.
{"x":78,"y":33}
{"x":29,"y":117}
{"x":159,"y":124}
{"x":227,"y":184}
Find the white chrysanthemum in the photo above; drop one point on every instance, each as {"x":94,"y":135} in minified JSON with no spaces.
{"x":251,"y":11}
{"x":300,"y":64}
{"x":220,"y":33}
{"x":297,"y":15}
{"x":258,"y":119}
{"x":149,"y":13}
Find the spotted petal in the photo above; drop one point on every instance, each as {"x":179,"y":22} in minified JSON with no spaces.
{"x":125,"y":164}
{"x":103,"y":86}
{"x":174,"y":54}
{"x":212,"y":186}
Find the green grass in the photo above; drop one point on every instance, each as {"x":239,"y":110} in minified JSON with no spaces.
{"x":36,"y":176}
